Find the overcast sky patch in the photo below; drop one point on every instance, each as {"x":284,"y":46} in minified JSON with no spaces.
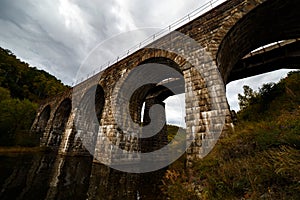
{"x":59,"y":36}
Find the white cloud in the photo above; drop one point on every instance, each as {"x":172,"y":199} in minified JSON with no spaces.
{"x":175,"y":110}
{"x":124,"y":17}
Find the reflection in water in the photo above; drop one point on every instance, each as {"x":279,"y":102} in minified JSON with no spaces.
{"x":48,"y":176}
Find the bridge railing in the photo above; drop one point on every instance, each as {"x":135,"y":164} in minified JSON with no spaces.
{"x":270,"y":47}
{"x":189,"y":17}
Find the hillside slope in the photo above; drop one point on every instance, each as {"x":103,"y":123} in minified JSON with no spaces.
{"x":21,"y":89}
{"x":261,"y":157}
{"x":25,"y":82}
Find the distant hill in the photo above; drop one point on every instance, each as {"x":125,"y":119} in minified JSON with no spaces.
{"x":21,"y":89}
{"x":25,"y":82}
{"x":260,"y":159}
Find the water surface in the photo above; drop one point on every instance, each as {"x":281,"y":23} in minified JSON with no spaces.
{"x":51,"y":176}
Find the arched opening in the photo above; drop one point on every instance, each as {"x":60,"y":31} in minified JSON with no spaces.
{"x":175,"y":112}
{"x":158,"y":79}
{"x":88,"y":117}
{"x":263,"y":41}
{"x":43,"y":120}
{"x":271,"y":23}
{"x":166,"y":85}
{"x":59,"y":122}
{"x":163,"y":96}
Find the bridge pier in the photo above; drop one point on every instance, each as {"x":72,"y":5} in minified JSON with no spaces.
{"x":221,"y":38}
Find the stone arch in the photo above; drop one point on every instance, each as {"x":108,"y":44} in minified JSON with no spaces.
{"x":147,"y":90}
{"x":43,"y":120}
{"x":258,"y":28}
{"x":156,"y":93}
{"x":161,"y":56}
{"x":88,"y":117}
{"x":199,"y":101}
{"x":59,"y":122}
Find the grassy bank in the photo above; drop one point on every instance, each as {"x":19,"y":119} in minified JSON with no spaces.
{"x":257,"y":161}
{"x":260,"y":159}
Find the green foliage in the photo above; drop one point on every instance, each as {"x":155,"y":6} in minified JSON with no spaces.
{"x":248,"y":98}
{"x":271,"y":99}
{"x":260,"y":159}
{"x":257,"y":160}
{"x":4,"y":94}
{"x":26,"y":82}
{"x":15,"y":115}
{"x":21,"y":88}
{"x":174,"y":130}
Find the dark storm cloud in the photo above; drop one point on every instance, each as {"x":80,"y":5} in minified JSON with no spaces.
{"x":52,"y":35}
{"x":58,"y":35}
{"x":35,"y":33}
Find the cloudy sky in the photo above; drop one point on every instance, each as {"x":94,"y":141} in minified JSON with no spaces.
{"x":59,"y":35}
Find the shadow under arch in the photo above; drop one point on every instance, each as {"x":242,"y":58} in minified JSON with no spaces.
{"x":59,"y":123}
{"x":87,"y":119}
{"x":269,"y":22}
{"x":148,"y":95}
{"x":43,"y":119}
{"x":165,"y":83}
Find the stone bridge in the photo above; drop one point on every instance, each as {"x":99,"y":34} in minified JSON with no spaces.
{"x":207,"y":53}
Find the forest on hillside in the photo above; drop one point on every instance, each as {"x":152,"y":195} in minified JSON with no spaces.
{"x":22,"y":88}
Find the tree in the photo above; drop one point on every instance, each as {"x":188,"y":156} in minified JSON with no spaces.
{"x":25,"y":82}
{"x":248,"y":98}
{"x":4,"y":94}
{"x":15,"y":115}
{"x":21,"y":87}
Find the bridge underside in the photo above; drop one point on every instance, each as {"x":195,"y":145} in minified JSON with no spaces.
{"x":283,"y":56}
{"x":270,"y":22}
{"x":84,"y":119}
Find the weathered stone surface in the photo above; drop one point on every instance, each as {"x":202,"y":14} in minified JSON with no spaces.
{"x":226,"y":34}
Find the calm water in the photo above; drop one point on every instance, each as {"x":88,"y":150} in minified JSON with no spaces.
{"x":48,"y":176}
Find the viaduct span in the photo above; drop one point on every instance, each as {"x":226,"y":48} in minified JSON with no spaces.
{"x":207,"y":53}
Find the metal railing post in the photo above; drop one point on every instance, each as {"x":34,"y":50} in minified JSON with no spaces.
{"x":192,"y":15}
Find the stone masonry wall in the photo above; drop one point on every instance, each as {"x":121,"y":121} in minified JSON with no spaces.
{"x":194,"y":49}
